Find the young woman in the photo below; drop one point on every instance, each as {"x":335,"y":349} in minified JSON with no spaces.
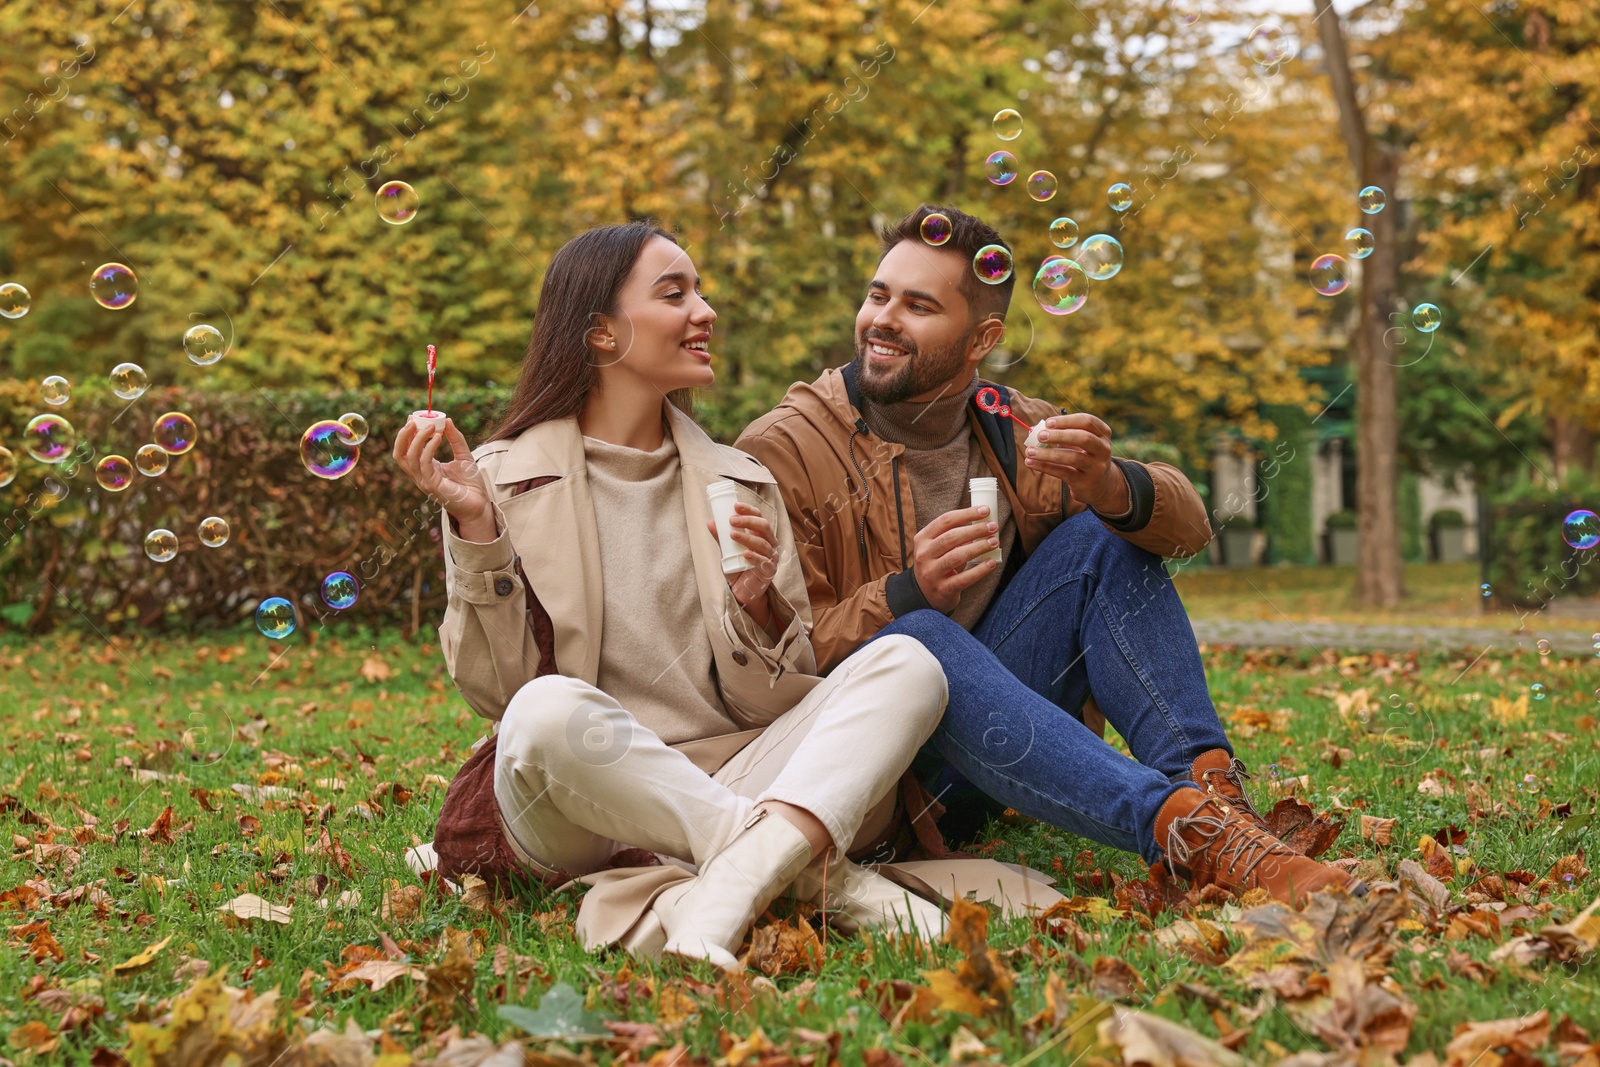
{"x":645,"y":699}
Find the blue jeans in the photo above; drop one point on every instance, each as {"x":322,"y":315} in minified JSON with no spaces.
{"x":1087,"y":612}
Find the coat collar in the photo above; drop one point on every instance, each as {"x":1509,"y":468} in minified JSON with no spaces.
{"x":556,"y":448}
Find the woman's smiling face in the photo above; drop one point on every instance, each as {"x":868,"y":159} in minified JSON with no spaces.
{"x":661,"y":332}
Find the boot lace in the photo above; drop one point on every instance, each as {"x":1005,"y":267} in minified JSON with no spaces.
{"x":1240,"y":842}
{"x":1235,"y":774}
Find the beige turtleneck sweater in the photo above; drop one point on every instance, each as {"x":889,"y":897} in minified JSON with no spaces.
{"x":655,"y":654}
{"x":941,"y":454}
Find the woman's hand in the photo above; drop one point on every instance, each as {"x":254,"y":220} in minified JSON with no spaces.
{"x":456,"y":484}
{"x":751,"y":531}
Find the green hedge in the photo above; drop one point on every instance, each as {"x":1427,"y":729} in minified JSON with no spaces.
{"x":72,"y":551}
{"x":1527,"y":563}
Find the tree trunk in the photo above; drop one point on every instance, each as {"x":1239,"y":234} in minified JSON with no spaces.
{"x":1380,"y":576}
{"x":1571,"y":446}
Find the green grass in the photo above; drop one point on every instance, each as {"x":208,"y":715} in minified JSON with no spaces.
{"x":1437,"y":594}
{"x":83,"y":715}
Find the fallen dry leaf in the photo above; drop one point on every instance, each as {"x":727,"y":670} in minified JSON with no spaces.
{"x":248,"y":906}
{"x":400,"y":903}
{"x":1301,"y":827}
{"x":374,"y":669}
{"x":211,"y":1023}
{"x":379,"y":973}
{"x":1115,"y":979}
{"x":789,"y":947}
{"x":1378,"y":831}
{"x":143,"y":959}
{"x":1150,"y":1039}
{"x":1523,"y":1034}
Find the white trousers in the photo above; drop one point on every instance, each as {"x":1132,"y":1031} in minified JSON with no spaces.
{"x":577,"y":777}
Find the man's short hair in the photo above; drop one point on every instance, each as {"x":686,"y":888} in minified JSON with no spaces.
{"x":968,"y":233}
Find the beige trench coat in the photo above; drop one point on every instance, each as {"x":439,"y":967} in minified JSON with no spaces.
{"x":491,"y":652}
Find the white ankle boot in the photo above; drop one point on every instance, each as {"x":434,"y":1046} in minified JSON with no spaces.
{"x":858,"y":897}
{"x":734,"y":887}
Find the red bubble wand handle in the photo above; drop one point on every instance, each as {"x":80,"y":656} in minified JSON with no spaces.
{"x":433,"y":361}
{"x":989,"y":400}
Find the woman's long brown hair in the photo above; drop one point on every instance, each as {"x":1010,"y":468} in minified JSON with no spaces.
{"x":585,"y":277}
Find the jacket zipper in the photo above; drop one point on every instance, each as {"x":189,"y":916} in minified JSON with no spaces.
{"x":861,"y":531}
{"x":899,"y":515}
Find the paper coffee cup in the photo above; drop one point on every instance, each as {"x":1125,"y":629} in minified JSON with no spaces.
{"x":986,"y":493}
{"x":723,"y":495}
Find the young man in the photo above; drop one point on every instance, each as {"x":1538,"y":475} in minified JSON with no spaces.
{"x":873,"y":460}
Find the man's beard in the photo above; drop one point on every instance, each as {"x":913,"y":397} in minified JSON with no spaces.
{"x":919,"y":373}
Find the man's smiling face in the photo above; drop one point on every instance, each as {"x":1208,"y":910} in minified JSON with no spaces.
{"x":914,"y":330}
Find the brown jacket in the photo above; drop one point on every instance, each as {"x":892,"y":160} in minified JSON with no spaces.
{"x":854,"y":519}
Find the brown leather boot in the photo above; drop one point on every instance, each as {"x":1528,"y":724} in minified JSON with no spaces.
{"x":1222,"y":776}
{"x":1211,"y":843}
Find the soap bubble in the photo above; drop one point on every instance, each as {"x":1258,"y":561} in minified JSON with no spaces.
{"x":114,"y":286}
{"x":275,"y":618}
{"x":1538,"y":690}
{"x":397,"y":203}
{"x":1268,"y":45}
{"x":8,"y":466}
{"x":1041,"y":185}
{"x":1273,"y":771}
{"x":1001,"y":168}
{"x":1060,"y":286}
{"x":1580,"y":529}
{"x":203,"y":345}
{"x":114,"y":473}
{"x":14,"y":301}
{"x":328,"y":449}
{"x":1120,"y":197}
{"x":339,"y":590}
{"x":1371,"y":200}
{"x":1007,"y":124}
{"x":1531,"y":782}
{"x":151,"y":460}
{"x":175,"y":432}
{"x":161,"y":545}
{"x":936,"y":229}
{"x":49,"y":438}
{"x":129,"y":381}
{"x":1426,"y":318}
{"x":1543,"y":646}
{"x":1064,"y":232}
{"x":56,"y":390}
{"x":1394,"y":700}
{"x":1359,"y":243}
{"x":214,"y":531}
{"x":992,"y":264}
{"x":1486,"y":589}
{"x":356,"y":424}
{"x":1328,"y":275}
{"x":1100,"y":256}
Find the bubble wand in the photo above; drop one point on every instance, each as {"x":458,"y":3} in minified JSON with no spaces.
{"x":429,"y":417}
{"x":989,"y":400}
{"x":433,"y":362}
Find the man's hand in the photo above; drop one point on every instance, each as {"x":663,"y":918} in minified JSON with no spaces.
{"x":1079,"y":453}
{"x":943,"y":549}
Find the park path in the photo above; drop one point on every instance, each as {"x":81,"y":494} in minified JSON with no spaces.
{"x":1357,"y":636}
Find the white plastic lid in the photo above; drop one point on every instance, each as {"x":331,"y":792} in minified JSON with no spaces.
{"x":981,"y":485}
{"x":722,"y":488}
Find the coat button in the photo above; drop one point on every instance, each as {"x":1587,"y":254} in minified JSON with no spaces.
{"x":740,"y":656}
{"x":503,"y":586}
